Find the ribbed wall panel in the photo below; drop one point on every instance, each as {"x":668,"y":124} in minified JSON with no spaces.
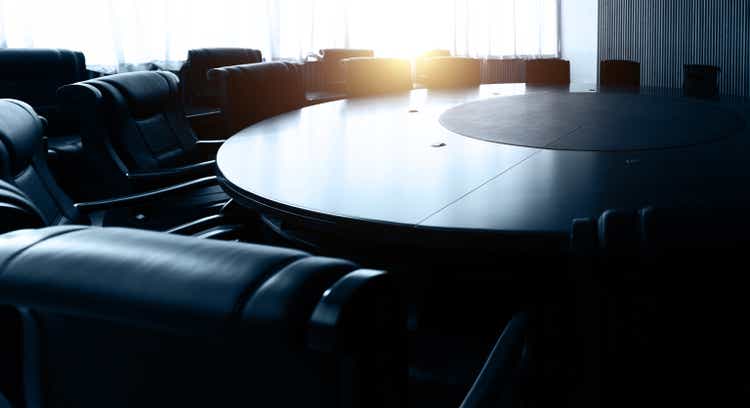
{"x":663,"y":35}
{"x":497,"y":71}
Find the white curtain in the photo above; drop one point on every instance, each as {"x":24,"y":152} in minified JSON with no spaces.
{"x":116,"y":33}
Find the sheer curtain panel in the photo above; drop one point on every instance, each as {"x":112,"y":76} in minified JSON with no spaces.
{"x":118,"y":34}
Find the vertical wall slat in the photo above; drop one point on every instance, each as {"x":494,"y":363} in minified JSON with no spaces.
{"x":663,"y":35}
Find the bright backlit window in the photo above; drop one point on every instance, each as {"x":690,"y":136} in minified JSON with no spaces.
{"x":113,"y":33}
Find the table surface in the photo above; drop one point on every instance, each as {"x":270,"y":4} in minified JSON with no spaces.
{"x":388,"y":160}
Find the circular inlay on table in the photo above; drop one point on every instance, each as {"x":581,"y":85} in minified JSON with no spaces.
{"x":593,"y":122}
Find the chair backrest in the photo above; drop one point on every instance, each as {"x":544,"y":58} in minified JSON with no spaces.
{"x":198,"y":91}
{"x":333,"y":70}
{"x":23,"y":163}
{"x":451,"y":72}
{"x":701,"y":81}
{"x":254,"y":92}
{"x":370,"y":76}
{"x":673,"y":297}
{"x":419,"y":62}
{"x":619,"y":73}
{"x":121,"y":318}
{"x":552,"y":71}
{"x":34,"y":75}
{"x":17,"y":211}
{"x":135,"y":121}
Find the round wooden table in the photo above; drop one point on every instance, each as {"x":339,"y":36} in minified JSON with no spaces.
{"x":391,"y":163}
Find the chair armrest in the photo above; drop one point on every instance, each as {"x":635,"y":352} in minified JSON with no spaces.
{"x":148,"y":196}
{"x":45,"y":123}
{"x":205,"y":115}
{"x":209,"y":146}
{"x":494,"y":387}
{"x":207,"y":125}
{"x":337,"y":323}
{"x":361,"y":320}
{"x":200,"y":225}
{"x":164,"y":175}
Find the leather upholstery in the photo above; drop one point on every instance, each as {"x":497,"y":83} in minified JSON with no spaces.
{"x":671,"y":299}
{"x":658,"y":231}
{"x":548,"y":72}
{"x":451,"y":72}
{"x":254,"y":92}
{"x":333,"y":55}
{"x":34,"y":75}
{"x":333,"y":70}
{"x":419,"y":62}
{"x":198,"y":91}
{"x":369,"y":76}
{"x":23,"y":163}
{"x":701,"y":81}
{"x":142,"y":113}
{"x":21,"y":134}
{"x":133,"y":122}
{"x":618,"y":73}
{"x":619,"y":232}
{"x":136,"y":318}
{"x":16,"y":210}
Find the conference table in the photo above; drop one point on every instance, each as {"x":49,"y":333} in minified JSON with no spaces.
{"x":504,"y":160}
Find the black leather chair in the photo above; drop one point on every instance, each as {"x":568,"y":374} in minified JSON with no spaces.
{"x":135,"y":134}
{"x":371,"y":76}
{"x":670,"y":300}
{"x":253,"y":92}
{"x":121,"y":318}
{"x":16,"y":210}
{"x":200,"y":94}
{"x":334,"y":72}
{"x":419,"y":63}
{"x":202,"y":97}
{"x":548,"y":71}
{"x":620,"y":74}
{"x":500,"y":381}
{"x":33,"y":76}
{"x":451,"y":72}
{"x":23,"y":164}
{"x":701,"y":81}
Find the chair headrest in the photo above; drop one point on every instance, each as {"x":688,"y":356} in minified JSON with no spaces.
{"x":334,"y":54}
{"x":436,"y":53}
{"x":27,"y":63}
{"x":619,"y":231}
{"x":365,"y":75}
{"x":547,"y":62}
{"x":257,"y":69}
{"x":146,"y":92}
{"x":207,"y":58}
{"x":21,"y":133}
{"x":266,"y":75}
{"x":163,"y":281}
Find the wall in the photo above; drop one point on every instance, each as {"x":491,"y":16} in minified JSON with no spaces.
{"x":663,"y":35}
{"x":578,"y":32}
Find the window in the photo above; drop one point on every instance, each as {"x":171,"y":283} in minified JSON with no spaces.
{"x":116,"y":32}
